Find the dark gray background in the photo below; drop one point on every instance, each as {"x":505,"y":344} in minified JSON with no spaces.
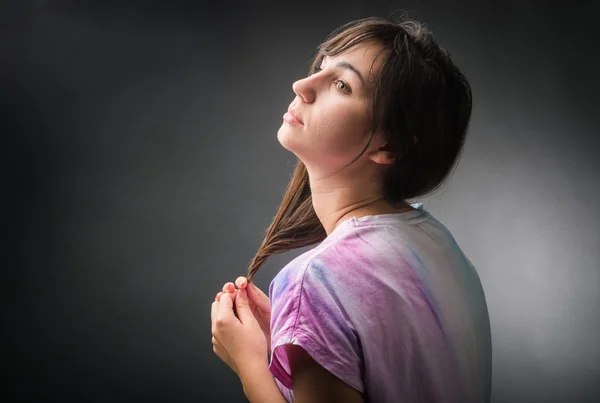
{"x":143,"y":168}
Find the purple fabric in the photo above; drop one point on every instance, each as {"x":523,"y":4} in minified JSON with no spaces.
{"x":390,"y":305}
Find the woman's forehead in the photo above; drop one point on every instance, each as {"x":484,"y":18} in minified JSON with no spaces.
{"x":363,"y":56}
{"x":367,"y":50}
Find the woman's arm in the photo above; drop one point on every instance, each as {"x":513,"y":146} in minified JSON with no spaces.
{"x":259,"y":385}
{"x":313,"y":383}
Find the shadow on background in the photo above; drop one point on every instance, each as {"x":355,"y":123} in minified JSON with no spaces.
{"x":144,"y":167}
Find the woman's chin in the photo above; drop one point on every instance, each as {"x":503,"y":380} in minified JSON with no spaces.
{"x":286,"y":139}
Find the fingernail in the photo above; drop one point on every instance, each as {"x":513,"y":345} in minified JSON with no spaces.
{"x":243,"y":283}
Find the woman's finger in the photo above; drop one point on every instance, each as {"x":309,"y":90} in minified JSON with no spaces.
{"x":233,"y":296}
{"x":224,"y":306}
{"x":259,"y":298}
{"x":241,"y":282}
{"x":229,"y":287}
{"x":213,"y":315}
{"x":218,"y":295}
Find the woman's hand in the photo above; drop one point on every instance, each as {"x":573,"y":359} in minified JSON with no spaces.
{"x":237,"y":340}
{"x":259,"y":304}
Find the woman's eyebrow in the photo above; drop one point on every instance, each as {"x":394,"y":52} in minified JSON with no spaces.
{"x":347,"y":66}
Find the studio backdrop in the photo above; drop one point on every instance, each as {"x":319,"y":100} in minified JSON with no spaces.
{"x":144,"y":168}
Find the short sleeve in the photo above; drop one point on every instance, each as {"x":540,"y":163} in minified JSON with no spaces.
{"x":310,"y":311}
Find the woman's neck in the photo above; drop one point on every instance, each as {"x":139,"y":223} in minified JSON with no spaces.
{"x":336,"y":205}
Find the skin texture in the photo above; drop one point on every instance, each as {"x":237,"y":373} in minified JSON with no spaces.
{"x":333,"y":105}
{"x":232,"y":332}
{"x":333,"y":108}
{"x":311,"y":382}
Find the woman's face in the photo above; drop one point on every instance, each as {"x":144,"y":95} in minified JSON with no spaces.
{"x":333,"y":109}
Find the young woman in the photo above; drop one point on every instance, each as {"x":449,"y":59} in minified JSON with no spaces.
{"x":386,"y":307}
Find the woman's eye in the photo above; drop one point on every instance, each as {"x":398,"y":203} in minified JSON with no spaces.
{"x":342,"y":86}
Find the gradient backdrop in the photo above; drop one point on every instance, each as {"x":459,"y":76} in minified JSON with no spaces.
{"x":143,"y":168}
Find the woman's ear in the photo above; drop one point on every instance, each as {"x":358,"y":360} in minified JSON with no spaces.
{"x":382,"y":155}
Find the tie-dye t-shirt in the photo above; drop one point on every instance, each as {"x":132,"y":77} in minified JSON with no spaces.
{"x":391,"y":306}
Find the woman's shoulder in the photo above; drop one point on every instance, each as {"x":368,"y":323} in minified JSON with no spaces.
{"x":364,"y":248}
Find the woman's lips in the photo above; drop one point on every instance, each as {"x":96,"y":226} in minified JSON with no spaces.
{"x":292,"y":119}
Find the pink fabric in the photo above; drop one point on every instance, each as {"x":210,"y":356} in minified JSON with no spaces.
{"x":391,"y":306}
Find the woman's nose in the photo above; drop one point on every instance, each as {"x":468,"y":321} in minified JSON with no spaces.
{"x":305,"y":89}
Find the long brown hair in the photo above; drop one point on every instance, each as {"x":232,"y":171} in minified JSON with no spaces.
{"x":420,"y":99}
